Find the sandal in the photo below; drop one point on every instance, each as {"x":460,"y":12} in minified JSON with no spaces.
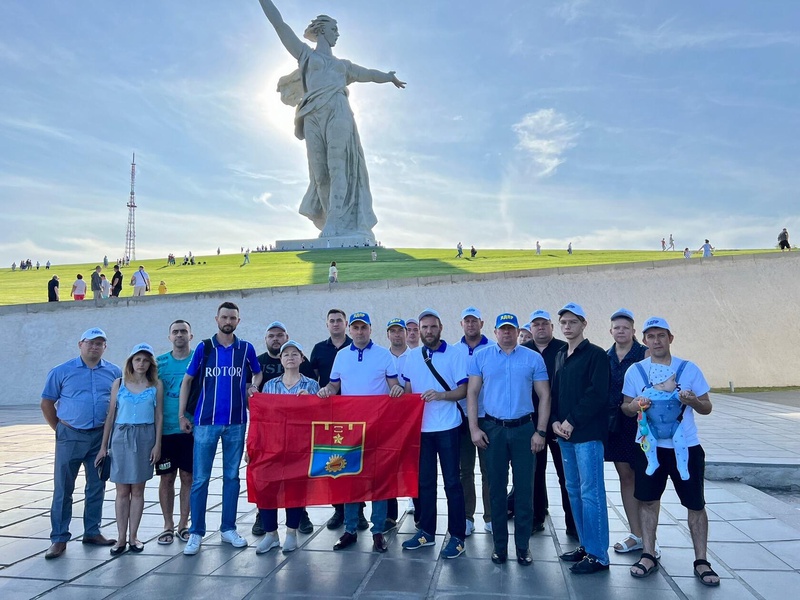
{"x":707,"y":573}
{"x":629,"y":544}
{"x":166,"y":538}
{"x":644,"y":571}
{"x":183,"y":534}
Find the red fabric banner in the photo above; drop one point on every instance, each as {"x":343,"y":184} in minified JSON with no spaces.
{"x":305,"y":450}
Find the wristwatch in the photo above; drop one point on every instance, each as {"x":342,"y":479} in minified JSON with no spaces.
{"x":542,"y":433}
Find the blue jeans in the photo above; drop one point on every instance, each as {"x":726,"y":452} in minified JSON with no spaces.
{"x":583,"y":469}
{"x":445,"y":445}
{"x":379,"y":509}
{"x":206,"y":439}
{"x":76,"y":447}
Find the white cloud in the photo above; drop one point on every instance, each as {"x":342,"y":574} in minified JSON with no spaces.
{"x":545,"y":136}
{"x":570,"y":10}
{"x":667,"y":37}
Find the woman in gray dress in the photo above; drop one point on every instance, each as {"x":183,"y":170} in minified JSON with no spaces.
{"x":133,"y":432}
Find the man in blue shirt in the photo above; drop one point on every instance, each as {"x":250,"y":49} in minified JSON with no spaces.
{"x":221,"y":414}
{"x":507,"y":374}
{"x":82,"y":389}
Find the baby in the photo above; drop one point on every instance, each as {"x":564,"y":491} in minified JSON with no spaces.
{"x":659,"y":418}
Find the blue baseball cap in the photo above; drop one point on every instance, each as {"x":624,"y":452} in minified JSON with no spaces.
{"x":575,"y":309}
{"x":276,"y":325}
{"x":540,"y":314}
{"x":396,"y":321}
{"x":428,"y":312}
{"x":506,"y":319}
{"x":410,"y":321}
{"x":142,"y":348}
{"x":291,"y":344}
{"x":526,"y":327}
{"x":359,"y":316}
{"x":655,"y":322}
{"x":622,"y":313}
{"x":471,"y":312}
{"x":93,"y":333}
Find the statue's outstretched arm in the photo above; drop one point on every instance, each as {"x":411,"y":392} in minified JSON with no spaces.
{"x":288,"y":38}
{"x":364,"y":75}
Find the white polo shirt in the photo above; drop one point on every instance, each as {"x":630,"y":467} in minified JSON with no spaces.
{"x":363,"y":372}
{"x":400,"y":362}
{"x":439,"y":415}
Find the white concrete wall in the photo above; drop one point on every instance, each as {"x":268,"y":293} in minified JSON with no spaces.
{"x":737,"y":317}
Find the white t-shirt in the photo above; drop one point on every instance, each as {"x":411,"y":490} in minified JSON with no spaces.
{"x":333,"y":272}
{"x":80,"y":287}
{"x":439,"y":415}
{"x":363,"y":372}
{"x":691,"y":379}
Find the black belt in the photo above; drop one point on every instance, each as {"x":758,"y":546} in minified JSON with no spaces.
{"x":510,"y":423}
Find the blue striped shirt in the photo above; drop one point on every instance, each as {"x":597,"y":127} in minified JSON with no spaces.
{"x":276,"y":386}
{"x":223,"y":396}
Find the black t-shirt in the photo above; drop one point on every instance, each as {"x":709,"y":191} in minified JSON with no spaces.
{"x":116,"y":282}
{"x":322,"y":358}
{"x":271,"y":368}
{"x":52,"y":285}
{"x":549,"y":357}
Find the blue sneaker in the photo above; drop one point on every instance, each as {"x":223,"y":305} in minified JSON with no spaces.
{"x":454,"y":548}
{"x":419,"y":540}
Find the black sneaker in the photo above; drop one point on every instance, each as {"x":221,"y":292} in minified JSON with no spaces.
{"x":499,"y":558}
{"x":347,"y":540}
{"x":588,"y":566}
{"x":336,"y":521}
{"x":306,"y":526}
{"x":575,"y":556}
{"x":524,"y":557}
{"x":538,"y":527}
{"x":363,"y":524}
{"x":258,"y":529}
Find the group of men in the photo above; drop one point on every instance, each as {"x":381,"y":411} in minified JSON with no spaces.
{"x":507,"y":402}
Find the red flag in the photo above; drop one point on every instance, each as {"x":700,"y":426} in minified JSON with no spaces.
{"x":306,"y":450}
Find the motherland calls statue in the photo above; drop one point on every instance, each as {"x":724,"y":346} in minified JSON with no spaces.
{"x":338,"y":199}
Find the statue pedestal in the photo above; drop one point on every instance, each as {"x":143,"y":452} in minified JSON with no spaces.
{"x":327,"y":243}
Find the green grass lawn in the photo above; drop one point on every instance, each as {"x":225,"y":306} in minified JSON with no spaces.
{"x":270,"y":269}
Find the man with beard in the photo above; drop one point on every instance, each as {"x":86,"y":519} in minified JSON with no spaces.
{"x":221,"y":414}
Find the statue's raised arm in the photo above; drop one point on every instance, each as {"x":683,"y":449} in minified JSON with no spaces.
{"x":338,"y":199}
{"x":288,"y":38}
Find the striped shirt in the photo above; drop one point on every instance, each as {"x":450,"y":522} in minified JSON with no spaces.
{"x":223,"y":396}
{"x":276,"y":386}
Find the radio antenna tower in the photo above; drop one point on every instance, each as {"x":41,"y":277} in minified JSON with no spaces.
{"x":130,"y":234}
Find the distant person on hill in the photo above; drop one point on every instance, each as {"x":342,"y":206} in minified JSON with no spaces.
{"x":663,"y":244}
{"x":246,"y":258}
{"x":162,"y":287}
{"x":374,"y":256}
{"x":333,"y":273}
{"x":47,"y":266}
{"x":569,"y":248}
{"x":78,"y":288}
{"x":97,"y":289}
{"x":218,"y":250}
{"x":140,"y":282}
{"x":116,"y":282}
{"x":538,"y":248}
{"x":105,"y":286}
{"x":52,"y":289}
{"x":671,"y":243}
{"x":783,"y":240}
{"x":707,"y":249}
{"x":14,"y":266}
{"x":37,"y":265}
{"x":472,"y":252}
{"x":687,"y":254}
{"x":459,"y":250}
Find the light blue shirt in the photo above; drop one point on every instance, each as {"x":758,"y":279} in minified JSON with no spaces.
{"x":81,"y":394}
{"x":508,"y":380}
{"x":136,"y":409}
{"x":468,"y":352}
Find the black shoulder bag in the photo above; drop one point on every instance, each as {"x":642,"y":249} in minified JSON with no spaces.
{"x":197,"y":382}
{"x":428,"y":356}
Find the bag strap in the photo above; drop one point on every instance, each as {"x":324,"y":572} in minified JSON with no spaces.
{"x":645,"y":378}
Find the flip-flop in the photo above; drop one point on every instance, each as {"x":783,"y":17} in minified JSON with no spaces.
{"x":166,"y":537}
{"x":644,"y":571}
{"x":136,"y":547}
{"x":183,"y":534}
{"x":707,"y":573}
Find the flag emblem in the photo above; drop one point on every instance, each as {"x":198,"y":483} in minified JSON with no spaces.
{"x":337,"y":448}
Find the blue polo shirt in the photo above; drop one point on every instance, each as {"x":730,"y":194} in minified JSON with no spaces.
{"x":223,"y":396}
{"x":81,"y":394}
{"x":463,"y":346}
{"x":363,"y":371}
{"x":508,"y":380}
{"x":451,"y":364}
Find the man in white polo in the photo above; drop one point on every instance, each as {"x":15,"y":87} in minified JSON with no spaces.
{"x":140,"y":282}
{"x":363,"y":369}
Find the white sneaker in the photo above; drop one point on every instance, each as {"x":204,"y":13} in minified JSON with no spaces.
{"x":268,"y":542}
{"x":488,"y":528}
{"x":410,"y":507}
{"x":193,"y":545}
{"x":470,"y":528}
{"x":290,"y":545}
{"x":233,"y":538}
{"x":658,"y":551}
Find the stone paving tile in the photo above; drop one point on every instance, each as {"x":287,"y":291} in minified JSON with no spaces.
{"x":788,"y":552}
{"x":772,"y":585}
{"x":24,"y":589}
{"x":747,"y":556}
{"x":121,"y":571}
{"x":767,"y":530}
{"x":60,"y":570}
{"x":730,"y":589}
{"x":79,"y":592}
{"x":22,"y":548}
{"x":398,"y":575}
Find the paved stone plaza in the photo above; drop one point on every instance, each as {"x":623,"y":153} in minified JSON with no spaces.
{"x":754,"y":539}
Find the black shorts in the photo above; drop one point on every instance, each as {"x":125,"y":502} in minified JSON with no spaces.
{"x":177,"y":451}
{"x":649,"y":488}
{"x":784,"y":245}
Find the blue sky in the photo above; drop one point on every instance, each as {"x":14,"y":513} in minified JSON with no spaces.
{"x":607,"y":123}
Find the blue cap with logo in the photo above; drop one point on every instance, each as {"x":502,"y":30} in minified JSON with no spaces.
{"x":655,"y":322}
{"x":396,"y":322}
{"x":276,"y":325}
{"x":622,"y":313}
{"x":359,"y":316}
{"x":291,"y":344}
{"x":575,"y":309}
{"x":428,"y":312}
{"x":506,"y":319}
{"x":93,"y":333}
{"x":540,"y":314}
{"x":142,"y":348}
{"x":471,"y":311}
